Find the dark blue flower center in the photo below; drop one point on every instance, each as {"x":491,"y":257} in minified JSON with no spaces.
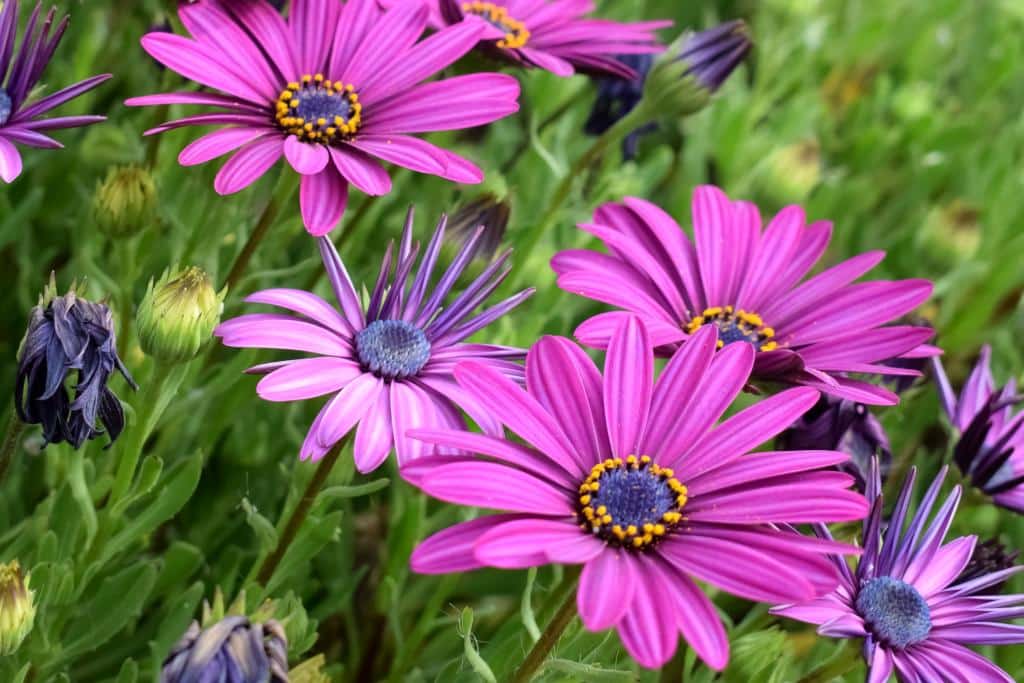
{"x":735,"y":326}
{"x":318,"y":110}
{"x":516,"y":33}
{"x":630,"y":503}
{"x":894,"y":612}
{"x":5,"y":106}
{"x":392,"y":349}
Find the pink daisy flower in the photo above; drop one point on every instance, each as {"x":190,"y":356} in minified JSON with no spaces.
{"x":551,"y":34}
{"x":388,"y":366}
{"x":631,"y":478}
{"x":745,"y":282}
{"x":21,"y":119}
{"x":334,"y":89}
{"x":909,"y":599}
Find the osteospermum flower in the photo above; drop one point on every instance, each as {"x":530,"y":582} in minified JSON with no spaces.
{"x":552,"y":34}
{"x":389,"y":366}
{"x":906,"y":599}
{"x":631,"y":478}
{"x":20,"y":71}
{"x":990,"y":450}
{"x":745,"y":283}
{"x":335,"y":89}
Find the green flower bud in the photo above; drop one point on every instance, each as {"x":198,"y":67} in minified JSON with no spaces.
{"x":792,"y":172}
{"x":310,"y":671}
{"x":17,"y":608}
{"x":178,"y":315}
{"x":950,"y":234}
{"x":125,"y":202}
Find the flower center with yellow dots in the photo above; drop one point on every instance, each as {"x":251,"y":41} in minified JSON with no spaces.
{"x":630,"y":503}
{"x":316,"y":109}
{"x":736,"y":326}
{"x":516,"y":33}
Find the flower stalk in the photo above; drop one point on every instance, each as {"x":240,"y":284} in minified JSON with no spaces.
{"x":9,"y":447}
{"x":566,"y":591}
{"x":286,"y":185}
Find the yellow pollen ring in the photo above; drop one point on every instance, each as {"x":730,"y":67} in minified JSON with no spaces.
{"x":321,"y":130}
{"x":516,"y":33}
{"x":600,"y":522}
{"x":748,"y":323}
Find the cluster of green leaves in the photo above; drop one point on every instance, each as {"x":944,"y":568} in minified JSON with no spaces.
{"x":900,"y":121}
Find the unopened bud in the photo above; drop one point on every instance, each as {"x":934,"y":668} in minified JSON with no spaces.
{"x":792,"y":172}
{"x":125,"y":202}
{"x":17,"y":608}
{"x":178,"y":314}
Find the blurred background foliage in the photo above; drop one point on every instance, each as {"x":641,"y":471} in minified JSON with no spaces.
{"x":900,"y":121}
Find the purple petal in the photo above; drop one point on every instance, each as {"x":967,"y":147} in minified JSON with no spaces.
{"x":198,"y":63}
{"x":218,"y":143}
{"x":531,"y":542}
{"x":10,"y":160}
{"x":270,"y":331}
{"x":695,"y":616}
{"x":412,"y":407}
{"x":307,"y":378}
{"x":305,"y":157}
{"x":248,"y":165}
{"x":451,"y":550}
{"x":405,"y":151}
{"x":361,"y":170}
{"x":347,"y":408}
{"x":322,"y":199}
{"x":649,"y":628}
{"x":470,"y":100}
{"x":374,"y":434}
{"x":490,"y":485}
{"x":305,"y":303}
{"x":628,"y":376}
{"x":606,"y":589}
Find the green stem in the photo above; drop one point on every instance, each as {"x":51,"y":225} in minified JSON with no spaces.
{"x":428,"y":615}
{"x":347,"y":231}
{"x":552,"y":633}
{"x":283,"y":192}
{"x":524,"y":144}
{"x":301,"y":511}
{"x":597,"y":149}
{"x":153,"y":399}
{"x":80,"y":492}
{"x":12,"y":434}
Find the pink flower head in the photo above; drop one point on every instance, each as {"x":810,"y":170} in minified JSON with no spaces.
{"x":552,"y":34}
{"x":632,"y":479}
{"x":334,"y":89}
{"x":388,"y":366}
{"x":745,"y":283}
{"x":21,"y":119}
{"x":909,"y":601}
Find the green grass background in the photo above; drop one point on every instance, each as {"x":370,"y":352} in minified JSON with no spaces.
{"x":900,"y":121}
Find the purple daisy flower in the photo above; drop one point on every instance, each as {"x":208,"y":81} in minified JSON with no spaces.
{"x":745,"y":283}
{"x":631,"y":478}
{"x":990,"y":450}
{"x":388,"y":365}
{"x":905,"y":598}
{"x":20,"y":71}
{"x":334,"y":89}
{"x":552,"y":34}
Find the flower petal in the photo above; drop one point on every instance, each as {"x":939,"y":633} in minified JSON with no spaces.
{"x":322,"y":198}
{"x":307,"y":378}
{"x":248,"y":165}
{"x":307,"y":158}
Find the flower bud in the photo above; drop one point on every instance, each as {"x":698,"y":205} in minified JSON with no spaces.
{"x":178,"y":315}
{"x":792,"y":172}
{"x":17,"y":608}
{"x":487,"y":211}
{"x":694,"y":67}
{"x":988,"y":557}
{"x":125,"y":202}
{"x":232,"y":649}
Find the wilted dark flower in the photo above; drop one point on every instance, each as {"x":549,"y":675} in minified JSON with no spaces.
{"x":17,"y":607}
{"x":842,"y":425}
{"x":990,"y":450}
{"x":67,"y":333}
{"x":233,"y":650}
{"x":683,"y":79}
{"x":616,"y":97}
{"x":485,"y":211}
{"x":988,"y":557}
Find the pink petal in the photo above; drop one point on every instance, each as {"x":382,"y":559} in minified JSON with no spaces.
{"x":361,"y":170}
{"x":199,"y":63}
{"x":307,"y":378}
{"x":248,"y":165}
{"x":451,"y":550}
{"x":387,"y":41}
{"x":490,"y":485}
{"x":606,"y":589}
{"x":373,"y":435}
{"x":470,"y":100}
{"x":695,"y":616}
{"x":648,"y":629}
{"x":347,"y":408}
{"x":312,"y":24}
{"x":405,"y":151}
{"x":271,"y":331}
{"x":322,"y":198}
{"x":304,"y":303}
{"x":461,"y":170}
{"x":307,"y":158}
{"x":628,"y":376}
{"x":412,"y":408}
{"x":218,"y":143}
{"x":10,"y":160}
{"x":530,"y":542}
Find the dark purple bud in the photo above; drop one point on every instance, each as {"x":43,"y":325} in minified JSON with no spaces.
{"x":488,"y":212}
{"x":69,"y":335}
{"x":616,"y":97}
{"x":233,"y":650}
{"x":988,"y":557}
{"x":714,"y":54}
{"x":841,"y":425}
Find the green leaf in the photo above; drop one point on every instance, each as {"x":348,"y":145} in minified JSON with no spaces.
{"x":129,"y":672}
{"x":119,"y":599}
{"x":149,"y":474}
{"x":589,"y":672}
{"x":526,"y":606}
{"x":315,"y":534}
{"x":472,"y":654}
{"x":332,"y":493}
{"x":180,"y":561}
{"x":179,"y":613}
{"x":265,"y":531}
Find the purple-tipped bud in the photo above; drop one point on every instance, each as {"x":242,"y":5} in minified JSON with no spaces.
{"x":488,"y":212}
{"x":714,"y":54}
{"x":845,"y":426}
{"x":232,"y":650}
{"x":616,"y":97}
{"x":68,"y":335}
{"x":988,"y":557}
